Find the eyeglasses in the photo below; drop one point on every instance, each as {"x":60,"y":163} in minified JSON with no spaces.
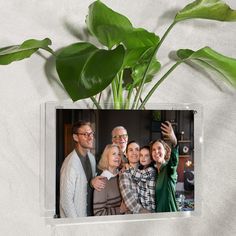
{"x":86,"y":134}
{"x":120,"y":136}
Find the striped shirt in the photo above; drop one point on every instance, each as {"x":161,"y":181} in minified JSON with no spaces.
{"x":108,"y":200}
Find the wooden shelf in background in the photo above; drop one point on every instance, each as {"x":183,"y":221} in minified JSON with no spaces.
{"x":185,"y":156}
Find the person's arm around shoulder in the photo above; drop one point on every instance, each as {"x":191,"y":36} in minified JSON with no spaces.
{"x":98,"y":182}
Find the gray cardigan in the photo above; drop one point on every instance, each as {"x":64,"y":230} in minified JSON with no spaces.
{"x":73,"y":186}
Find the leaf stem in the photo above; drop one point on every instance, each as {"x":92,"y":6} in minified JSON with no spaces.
{"x":127,"y":102}
{"x":48,"y":49}
{"x":158,"y":83}
{"x":165,"y":34}
{"x":140,"y":89}
{"x":96,"y":103}
{"x":114,"y":92}
{"x":99,"y":98}
{"x":120,"y":89}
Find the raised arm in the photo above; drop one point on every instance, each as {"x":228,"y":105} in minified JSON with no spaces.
{"x":168,"y":132}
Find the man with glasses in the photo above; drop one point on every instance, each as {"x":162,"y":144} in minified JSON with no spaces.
{"x":120,"y":137}
{"x":77,"y":175}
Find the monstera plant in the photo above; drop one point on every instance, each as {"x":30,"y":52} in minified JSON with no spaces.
{"x":127,"y":59}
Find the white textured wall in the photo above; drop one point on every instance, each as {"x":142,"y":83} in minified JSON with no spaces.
{"x":24,"y":86}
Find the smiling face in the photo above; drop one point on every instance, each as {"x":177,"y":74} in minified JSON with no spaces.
{"x":158,"y":152}
{"x":132,"y":153}
{"x":114,"y":157}
{"x":84,"y":137}
{"x":120,"y":137}
{"x":145,"y":157}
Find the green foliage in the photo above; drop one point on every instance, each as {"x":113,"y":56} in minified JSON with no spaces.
{"x":128,"y":62}
{"x":91,"y":69}
{"x":25,"y":50}
{"x":209,"y":58}
{"x":207,"y":9}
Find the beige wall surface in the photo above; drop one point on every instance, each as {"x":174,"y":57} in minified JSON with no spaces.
{"x":25,"y":85}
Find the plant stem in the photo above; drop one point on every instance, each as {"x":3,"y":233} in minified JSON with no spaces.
{"x":127,"y":102}
{"x":138,"y":94}
{"x":140,"y":88}
{"x":165,"y":34}
{"x":95,"y":102}
{"x":158,"y":83}
{"x":120,"y":89}
{"x":114,"y":92}
{"x":48,"y":49}
{"x":140,"y":99}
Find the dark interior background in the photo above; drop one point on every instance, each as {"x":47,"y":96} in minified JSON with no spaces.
{"x":142,"y":126}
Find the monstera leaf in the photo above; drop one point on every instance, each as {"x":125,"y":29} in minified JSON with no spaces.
{"x":138,"y":42}
{"x":106,"y":24}
{"x":207,"y":9}
{"x":211,"y":59}
{"x":25,"y":50}
{"x":86,"y":70}
{"x":112,"y":28}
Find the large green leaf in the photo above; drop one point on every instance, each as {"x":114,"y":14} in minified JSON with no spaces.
{"x":106,"y":24}
{"x":209,"y":58}
{"x":207,"y":9}
{"x":86,"y":70}
{"x":138,"y":42}
{"x":112,"y":28}
{"x":25,"y":50}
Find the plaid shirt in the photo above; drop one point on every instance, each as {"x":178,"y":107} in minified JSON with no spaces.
{"x":129,"y":192}
{"x":145,"y":180}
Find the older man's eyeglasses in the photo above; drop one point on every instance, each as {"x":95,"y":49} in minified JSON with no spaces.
{"x":121,"y":136}
{"x":86,"y":134}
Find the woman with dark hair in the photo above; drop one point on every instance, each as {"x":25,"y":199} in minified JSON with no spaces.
{"x":128,"y":186}
{"x":145,"y":179}
{"x":166,"y":160}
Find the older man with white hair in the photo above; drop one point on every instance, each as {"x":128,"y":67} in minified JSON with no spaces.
{"x":120,"y":137}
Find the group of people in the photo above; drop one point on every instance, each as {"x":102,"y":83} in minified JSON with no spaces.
{"x":128,"y":179}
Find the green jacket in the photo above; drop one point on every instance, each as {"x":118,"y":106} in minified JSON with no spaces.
{"x":165,"y":184}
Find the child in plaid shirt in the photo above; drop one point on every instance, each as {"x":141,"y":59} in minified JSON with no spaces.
{"x":145,"y":179}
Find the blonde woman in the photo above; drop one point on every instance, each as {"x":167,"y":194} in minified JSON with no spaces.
{"x":108,"y":201}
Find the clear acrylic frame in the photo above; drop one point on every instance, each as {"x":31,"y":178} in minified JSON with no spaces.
{"x":48,"y":166}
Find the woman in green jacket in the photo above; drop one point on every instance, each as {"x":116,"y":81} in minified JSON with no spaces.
{"x":166,"y":160}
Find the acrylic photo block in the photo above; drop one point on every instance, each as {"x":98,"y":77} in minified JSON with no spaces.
{"x":143,"y":126}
